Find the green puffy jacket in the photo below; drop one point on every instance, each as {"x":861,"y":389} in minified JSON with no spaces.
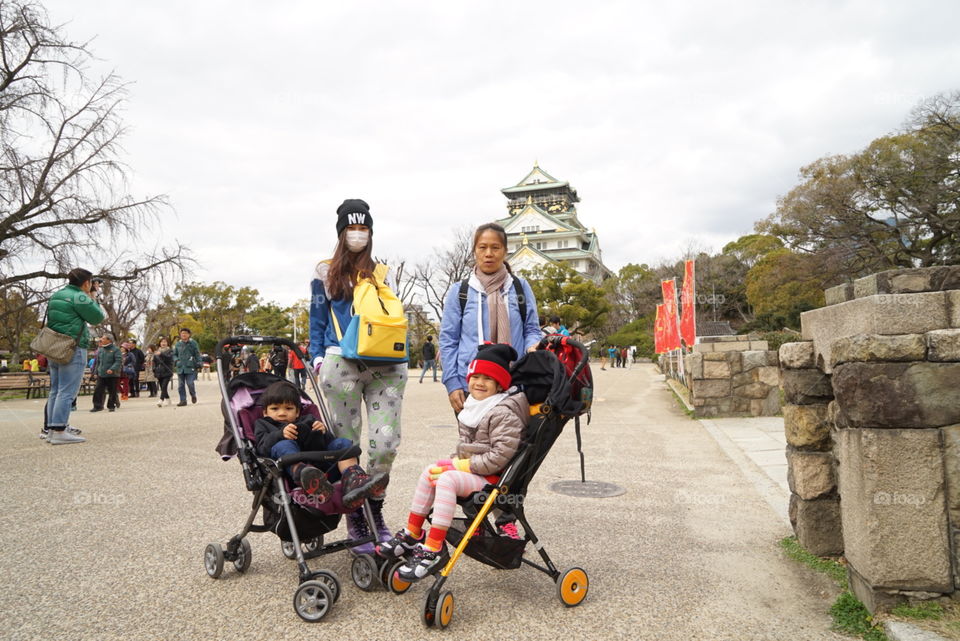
{"x":109,"y":357}
{"x":69,"y":311}
{"x":186,"y":357}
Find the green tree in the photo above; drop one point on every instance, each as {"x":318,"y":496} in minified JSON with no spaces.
{"x":780,"y":286}
{"x":269,"y":319}
{"x":559,"y":289}
{"x":638,"y":333}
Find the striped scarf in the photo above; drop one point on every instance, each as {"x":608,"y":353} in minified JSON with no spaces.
{"x":499,"y":318}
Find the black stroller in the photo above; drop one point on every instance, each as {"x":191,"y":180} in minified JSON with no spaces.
{"x":286,"y":510}
{"x":557,"y":381}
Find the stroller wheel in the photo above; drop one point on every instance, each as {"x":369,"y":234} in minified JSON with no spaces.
{"x":329,"y":579}
{"x":428,"y":613}
{"x":444,"y":611}
{"x":288,"y":550}
{"x":572,"y":586}
{"x":213,"y":560}
{"x":312,"y":545}
{"x":312,"y":600}
{"x":364,"y":572}
{"x":244,"y":556}
{"x":394,"y":582}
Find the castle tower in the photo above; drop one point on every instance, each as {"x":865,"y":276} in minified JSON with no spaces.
{"x":542,"y":227}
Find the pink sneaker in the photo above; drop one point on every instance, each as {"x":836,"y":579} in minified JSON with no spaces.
{"x":509,"y":530}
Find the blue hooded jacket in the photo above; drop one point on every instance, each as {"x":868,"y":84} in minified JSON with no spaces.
{"x":461,"y":335}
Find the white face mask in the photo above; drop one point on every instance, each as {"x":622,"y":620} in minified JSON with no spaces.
{"x":357,"y":240}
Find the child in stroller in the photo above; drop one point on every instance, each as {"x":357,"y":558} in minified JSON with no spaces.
{"x":283,"y":430}
{"x":490,"y":425}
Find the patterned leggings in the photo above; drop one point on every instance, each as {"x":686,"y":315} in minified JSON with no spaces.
{"x":345,"y":385}
{"x":443,"y":497}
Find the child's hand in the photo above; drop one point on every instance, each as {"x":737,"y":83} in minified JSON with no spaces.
{"x":290,"y":431}
{"x":319,"y":427}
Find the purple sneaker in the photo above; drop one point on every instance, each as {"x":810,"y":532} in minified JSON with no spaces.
{"x":357,"y":529}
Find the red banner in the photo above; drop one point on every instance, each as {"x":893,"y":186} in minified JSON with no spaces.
{"x":658,"y":332}
{"x":688,"y":317}
{"x":671,"y":331}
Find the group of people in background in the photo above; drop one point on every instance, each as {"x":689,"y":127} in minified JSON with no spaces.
{"x":619,"y":356}
{"x":279,"y":361}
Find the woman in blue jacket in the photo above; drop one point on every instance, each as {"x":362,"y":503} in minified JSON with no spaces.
{"x":490,"y":312}
{"x":348,"y":385}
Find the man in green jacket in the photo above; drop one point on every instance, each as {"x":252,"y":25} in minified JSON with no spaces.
{"x":186,"y":360}
{"x":109,"y":366}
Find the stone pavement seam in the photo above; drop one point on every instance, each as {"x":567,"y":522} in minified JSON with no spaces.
{"x":771,"y":492}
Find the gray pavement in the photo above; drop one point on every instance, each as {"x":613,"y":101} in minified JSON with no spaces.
{"x":104,"y":540}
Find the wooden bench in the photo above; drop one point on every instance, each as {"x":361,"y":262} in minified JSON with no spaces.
{"x":25,"y":381}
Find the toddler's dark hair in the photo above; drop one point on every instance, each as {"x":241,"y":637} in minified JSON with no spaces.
{"x":281,"y":392}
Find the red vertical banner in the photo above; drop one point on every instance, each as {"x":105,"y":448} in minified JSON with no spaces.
{"x":688,"y":317}
{"x":671,"y":330}
{"x":658,"y":332}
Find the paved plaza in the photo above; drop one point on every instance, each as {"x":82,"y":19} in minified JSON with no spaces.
{"x":104,"y":540}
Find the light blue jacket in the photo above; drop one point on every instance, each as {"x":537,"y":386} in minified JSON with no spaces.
{"x":461,"y":335}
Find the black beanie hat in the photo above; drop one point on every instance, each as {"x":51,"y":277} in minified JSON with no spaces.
{"x":353,"y":211}
{"x":493,"y":360}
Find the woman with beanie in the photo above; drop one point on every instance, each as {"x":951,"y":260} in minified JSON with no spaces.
{"x":68,"y":312}
{"x":492,"y":305}
{"x":348,"y":384}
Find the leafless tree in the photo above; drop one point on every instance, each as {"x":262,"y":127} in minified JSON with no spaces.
{"x":63,"y":191}
{"x":448,"y":265}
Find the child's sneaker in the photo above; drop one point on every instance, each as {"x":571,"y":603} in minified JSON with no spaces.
{"x":402,"y":544}
{"x":357,"y":529}
{"x":509,"y":530}
{"x":424,"y":563}
{"x":353,"y":482}
{"x":314,"y":482}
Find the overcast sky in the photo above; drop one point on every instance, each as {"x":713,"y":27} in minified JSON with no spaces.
{"x":676,"y":125}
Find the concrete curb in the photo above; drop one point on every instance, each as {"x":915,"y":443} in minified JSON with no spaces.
{"x":902,"y":631}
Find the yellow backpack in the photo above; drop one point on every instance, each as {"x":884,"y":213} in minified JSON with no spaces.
{"x":378,"y":328}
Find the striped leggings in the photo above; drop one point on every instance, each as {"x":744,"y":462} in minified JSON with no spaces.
{"x":443,"y":497}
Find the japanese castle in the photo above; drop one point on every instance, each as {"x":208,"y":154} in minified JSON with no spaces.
{"x":542,"y":227}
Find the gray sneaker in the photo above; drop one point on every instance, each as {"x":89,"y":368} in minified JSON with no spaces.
{"x":63,"y":438}
{"x":44,"y":434}
{"x":73,"y":430}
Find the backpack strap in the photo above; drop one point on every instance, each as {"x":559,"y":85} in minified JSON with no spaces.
{"x":521,"y":298}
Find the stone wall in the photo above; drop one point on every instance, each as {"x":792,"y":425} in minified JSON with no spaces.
{"x":873,"y":431}
{"x":731,"y":376}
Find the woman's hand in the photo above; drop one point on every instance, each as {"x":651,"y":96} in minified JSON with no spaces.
{"x":456,"y":400}
{"x":290,"y":431}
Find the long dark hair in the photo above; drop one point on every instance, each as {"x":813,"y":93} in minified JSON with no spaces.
{"x":497,"y":229}
{"x":346,"y":265}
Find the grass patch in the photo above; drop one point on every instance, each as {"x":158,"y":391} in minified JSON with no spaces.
{"x":850,"y":616}
{"x":925,"y":610}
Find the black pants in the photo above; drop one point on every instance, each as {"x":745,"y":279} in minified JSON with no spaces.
{"x":164,"y":381}
{"x":280,"y":371}
{"x":152,"y":388}
{"x":135,"y":384}
{"x":105,"y":385}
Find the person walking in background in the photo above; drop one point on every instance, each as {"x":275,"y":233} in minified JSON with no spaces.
{"x":299,"y":369}
{"x":251,"y":364}
{"x":429,"y":358}
{"x":265,"y":365}
{"x":278,"y":360}
{"x":186,"y":362}
{"x":126,"y":372}
{"x":206,"y":362}
{"x":109,"y":362}
{"x":163,"y":369}
{"x":68,"y":312}
{"x":138,"y":366}
{"x":149,"y":378}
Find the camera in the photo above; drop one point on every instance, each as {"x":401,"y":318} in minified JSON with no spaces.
{"x":95,"y":284}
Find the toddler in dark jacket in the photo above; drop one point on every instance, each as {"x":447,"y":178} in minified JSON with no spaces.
{"x":283,"y":430}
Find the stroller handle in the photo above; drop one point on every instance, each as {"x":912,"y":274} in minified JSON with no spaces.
{"x":246,"y":339}
{"x":319,"y":457}
{"x":556,"y":340}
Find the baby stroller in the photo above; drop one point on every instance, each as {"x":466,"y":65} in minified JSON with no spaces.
{"x":286,"y":510}
{"x":556,"y":379}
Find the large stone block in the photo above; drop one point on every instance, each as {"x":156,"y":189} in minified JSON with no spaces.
{"x":716,"y":369}
{"x":886,"y":314}
{"x":817,"y":525}
{"x":693,"y":363}
{"x":943,"y":345}
{"x":703,"y":348}
{"x":769,"y":406}
{"x":760,"y":346}
{"x":953,"y":300}
{"x":716,"y":356}
{"x":893,"y":509}
{"x":732,"y":346}
{"x":869,"y":286}
{"x":898,"y":394}
{"x":769,"y":375}
{"x":838,"y":294}
{"x":810,"y":475}
{"x":807,"y":426}
{"x":752,"y":391}
{"x":951,"y":475}
{"x":797,"y":355}
{"x":752,"y":359}
{"x":875,"y":599}
{"x":877,"y":347}
{"x":806,"y":386}
{"x":711,"y":388}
